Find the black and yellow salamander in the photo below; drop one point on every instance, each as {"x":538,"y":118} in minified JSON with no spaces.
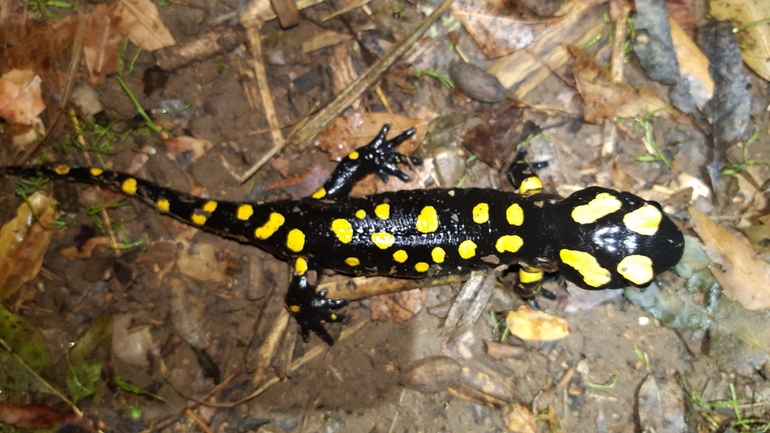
{"x":597,"y":238}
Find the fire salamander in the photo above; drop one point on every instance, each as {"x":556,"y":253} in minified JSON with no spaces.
{"x":597,"y":238}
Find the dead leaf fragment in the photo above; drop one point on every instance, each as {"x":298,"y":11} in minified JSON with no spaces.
{"x":34,"y":416}
{"x":518,"y":418}
{"x":140,"y":20}
{"x":743,"y":277}
{"x":400,"y":306}
{"x":532,"y":325}
{"x":203,"y":262}
{"x":605,"y":99}
{"x":20,"y":100}
{"x":755,"y":38}
{"x":23,"y":243}
{"x":101,"y":41}
{"x":661,"y":406}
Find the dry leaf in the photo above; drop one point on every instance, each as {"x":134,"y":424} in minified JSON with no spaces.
{"x":20,"y":100}
{"x":605,"y":99}
{"x":693,"y":65}
{"x":140,"y":20}
{"x":203,"y":262}
{"x":743,"y":277}
{"x":187,"y":149}
{"x":35,"y":416}
{"x":400,"y":306}
{"x":346,"y":134}
{"x":529,"y":324}
{"x":101,"y":41}
{"x":324,"y":39}
{"x":498,"y":28}
{"x":518,"y":418}
{"x":661,"y":406}
{"x":23,"y":243}
{"x":755,"y":39}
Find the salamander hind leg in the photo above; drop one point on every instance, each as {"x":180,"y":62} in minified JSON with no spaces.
{"x":379,"y":156}
{"x":310,"y":308}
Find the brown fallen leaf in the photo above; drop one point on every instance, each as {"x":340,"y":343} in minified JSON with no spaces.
{"x":532,"y":325}
{"x":518,"y":418}
{"x":346,"y":134}
{"x":605,"y":99}
{"x":743,"y":277}
{"x":23,"y":243}
{"x":693,"y":65}
{"x":20,"y":100}
{"x":499,"y":27}
{"x":400,"y":306}
{"x":755,"y":38}
{"x":187,"y":149}
{"x":203,"y":262}
{"x":35,"y":416}
{"x":101,"y":41}
{"x":140,"y":20}
{"x":87,"y":250}
{"x":661,"y":406}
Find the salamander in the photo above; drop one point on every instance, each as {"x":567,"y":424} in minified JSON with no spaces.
{"x":597,"y":238}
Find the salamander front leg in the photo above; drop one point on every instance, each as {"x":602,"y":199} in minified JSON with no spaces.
{"x":310,"y":308}
{"x":530,"y":281}
{"x":522,"y":174}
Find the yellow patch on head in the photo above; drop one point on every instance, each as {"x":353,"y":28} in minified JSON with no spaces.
{"x":467,"y":249}
{"x":209,"y":206}
{"x":530,"y":185}
{"x":294,"y":309}
{"x":644,"y":220}
{"x":400,"y":256}
{"x":274,"y":222}
{"x":382,"y":211}
{"x":421,"y":267}
{"x":163,"y":204}
{"x":343,"y":230}
{"x":352,"y":261}
{"x":636,"y":269}
{"x":515,"y":215}
{"x":300,"y":266}
{"x":383,"y":240}
{"x":602,"y":205}
{"x":244,"y":212}
{"x":321,"y":193}
{"x":509,"y":243}
{"x":95,"y":171}
{"x":438,"y":255}
{"x":129,"y":186}
{"x":427,"y":221}
{"x":61,"y":169}
{"x":593,"y":273}
{"x":528,"y":277}
{"x":481,"y":213}
{"x":295,"y":241}
{"x":198,"y":219}
{"x":360,"y":214}
{"x":353,"y":155}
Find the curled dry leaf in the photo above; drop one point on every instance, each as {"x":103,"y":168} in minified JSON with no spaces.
{"x":605,"y":99}
{"x":400,"y":306}
{"x":101,"y":41}
{"x":20,"y":100}
{"x":743,"y":277}
{"x":140,"y":20}
{"x":23,"y":243}
{"x":755,"y":38}
{"x":532,"y":325}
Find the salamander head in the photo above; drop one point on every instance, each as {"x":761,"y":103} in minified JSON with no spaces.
{"x":612,"y":239}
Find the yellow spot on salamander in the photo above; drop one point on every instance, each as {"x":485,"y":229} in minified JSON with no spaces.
{"x":593,"y":273}
{"x":604,"y":204}
{"x":61,"y":169}
{"x":467,"y":249}
{"x":353,"y":155}
{"x":636,"y":269}
{"x":382,"y":211}
{"x":530,"y":185}
{"x":274,"y":222}
{"x":529,"y":276}
{"x":481,"y":213}
{"x":129,"y":186}
{"x":400,"y":256}
{"x":210,"y":206}
{"x":427,"y":221}
{"x":198,"y":219}
{"x":644,"y":220}
{"x":343,"y":230}
{"x":163,"y":204}
{"x":509,"y":243}
{"x":295,"y":241}
{"x":321,"y":193}
{"x":421,"y":267}
{"x":360,"y":214}
{"x":244,"y":212}
{"x":438,"y":255}
{"x":95,"y":171}
{"x":514,"y":215}
{"x":352,"y":261}
{"x":300,"y":266}
{"x":294,"y":309}
{"x":383,"y":240}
